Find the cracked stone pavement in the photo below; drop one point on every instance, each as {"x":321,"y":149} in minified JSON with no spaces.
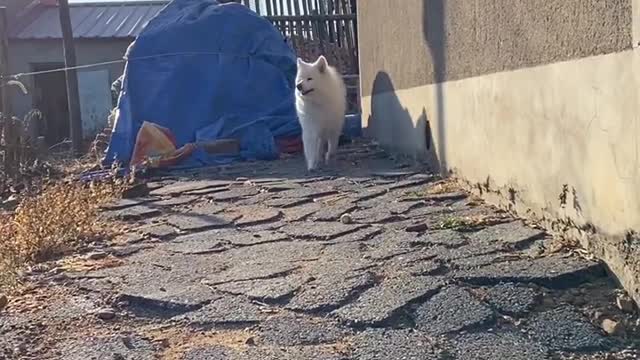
{"x":259,"y":261}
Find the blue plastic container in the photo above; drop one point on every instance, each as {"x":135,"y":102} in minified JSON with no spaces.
{"x":352,"y":126}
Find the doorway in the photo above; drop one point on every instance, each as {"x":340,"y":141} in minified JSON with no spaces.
{"x":50,"y":97}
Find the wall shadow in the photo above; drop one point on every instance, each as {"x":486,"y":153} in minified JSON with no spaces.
{"x":385,"y":103}
{"x":435,"y":37}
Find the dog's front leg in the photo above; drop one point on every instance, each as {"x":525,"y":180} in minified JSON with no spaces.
{"x":312,"y":149}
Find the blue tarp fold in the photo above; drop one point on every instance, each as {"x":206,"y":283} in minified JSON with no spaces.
{"x":208,"y":71}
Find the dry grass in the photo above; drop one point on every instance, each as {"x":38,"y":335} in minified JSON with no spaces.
{"x":440,"y":187}
{"x":443,"y":187}
{"x":52,"y":222}
{"x":84,"y":265}
{"x":472,"y":222}
{"x":178,"y":341}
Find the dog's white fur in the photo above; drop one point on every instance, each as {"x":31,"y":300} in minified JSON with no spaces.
{"x":321,"y":102}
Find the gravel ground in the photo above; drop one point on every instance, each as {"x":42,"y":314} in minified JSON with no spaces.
{"x":265,"y":261}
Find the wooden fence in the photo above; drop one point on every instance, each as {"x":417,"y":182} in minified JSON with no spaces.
{"x":328,"y":24}
{"x":315,"y":27}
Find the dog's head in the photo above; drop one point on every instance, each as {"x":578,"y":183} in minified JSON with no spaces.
{"x":309,"y":75}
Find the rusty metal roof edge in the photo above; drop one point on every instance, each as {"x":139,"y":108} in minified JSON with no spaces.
{"x":27,"y":27}
{"x":119,"y":3}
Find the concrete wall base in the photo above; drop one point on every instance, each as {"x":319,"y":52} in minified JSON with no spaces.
{"x":560,"y":141}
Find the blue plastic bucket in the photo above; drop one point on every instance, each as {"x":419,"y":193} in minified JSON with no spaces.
{"x":352,"y":126}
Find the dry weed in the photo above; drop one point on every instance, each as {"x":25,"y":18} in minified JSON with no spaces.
{"x":84,"y":265}
{"x":472,"y":222}
{"x":443,"y":187}
{"x":178,"y":341}
{"x":561,"y":243}
{"x":51,"y":223}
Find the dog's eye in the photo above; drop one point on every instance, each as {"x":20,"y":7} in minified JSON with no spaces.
{"x":309,"y":79}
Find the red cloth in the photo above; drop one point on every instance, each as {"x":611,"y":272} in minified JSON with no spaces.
{"x":289,"y":145}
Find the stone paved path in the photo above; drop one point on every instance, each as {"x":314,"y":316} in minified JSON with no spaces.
{"x":259,"y":261}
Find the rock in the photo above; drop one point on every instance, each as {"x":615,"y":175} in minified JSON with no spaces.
{"x":625,"y":303}
{"x":20,"y":349}
{"x":106,"y":314}
{"x":612,"y":327}
{"x":98,"y":255}
{"x":4,"y":301}
{"x":346,"y":219}
{"x":11,"y":202}
{"x":418,"y":227}
{"x":597,"y":314}
{"x":38,"y":269}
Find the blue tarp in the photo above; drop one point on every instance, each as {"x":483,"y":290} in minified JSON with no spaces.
{"x":208,"y":71}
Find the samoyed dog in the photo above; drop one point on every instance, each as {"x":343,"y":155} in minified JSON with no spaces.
{"x":321,"y":102}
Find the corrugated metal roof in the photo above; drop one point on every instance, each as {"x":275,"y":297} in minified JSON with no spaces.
{"x":89,"y":20}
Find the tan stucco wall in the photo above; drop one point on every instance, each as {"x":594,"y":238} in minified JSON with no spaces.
{"x":574,"y":123}
{"x":426,"y":41}
{"x":524,"y":133}
{"x":535,"y":130}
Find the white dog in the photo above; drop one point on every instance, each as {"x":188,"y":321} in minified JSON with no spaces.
{"x":321,"y":101}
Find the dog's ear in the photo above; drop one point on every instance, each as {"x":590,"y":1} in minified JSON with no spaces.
{"x":322,"y":64}
{"x":300,"y":62}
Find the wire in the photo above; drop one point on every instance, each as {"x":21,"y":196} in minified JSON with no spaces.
{"x":19,"y":75}
{"x":125,"y":59}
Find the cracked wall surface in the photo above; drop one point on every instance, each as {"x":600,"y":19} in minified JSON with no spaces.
{"x":534,"y":103}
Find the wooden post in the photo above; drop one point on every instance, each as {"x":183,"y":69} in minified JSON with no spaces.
{"x":4,"y":61}
{"x":75,"y":121}
{"x":269,"y":8}
{"x":6,"y":120}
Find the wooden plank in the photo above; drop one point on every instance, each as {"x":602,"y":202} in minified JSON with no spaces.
{"x":289,"y":8}
{"x":340,"y":30}
{"x":299,"y":24}
{"x":323,"y":26}
{"x":349,"y":36}
{"x":354,"y":11}
{"x":269,"y":8}
{"x":328,"y":7}
{"x":308,"y":8}
{"x":289,"y":11}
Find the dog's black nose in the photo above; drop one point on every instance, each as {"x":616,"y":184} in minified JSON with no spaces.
{"x":299,"y":87}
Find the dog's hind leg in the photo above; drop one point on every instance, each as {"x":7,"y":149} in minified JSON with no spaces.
{"x":332,"y":149}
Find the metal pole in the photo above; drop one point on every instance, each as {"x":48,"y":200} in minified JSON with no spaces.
{"x":75,"y":121}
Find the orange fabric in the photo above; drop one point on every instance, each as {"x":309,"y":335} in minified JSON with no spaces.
{"x":156,"y":147}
